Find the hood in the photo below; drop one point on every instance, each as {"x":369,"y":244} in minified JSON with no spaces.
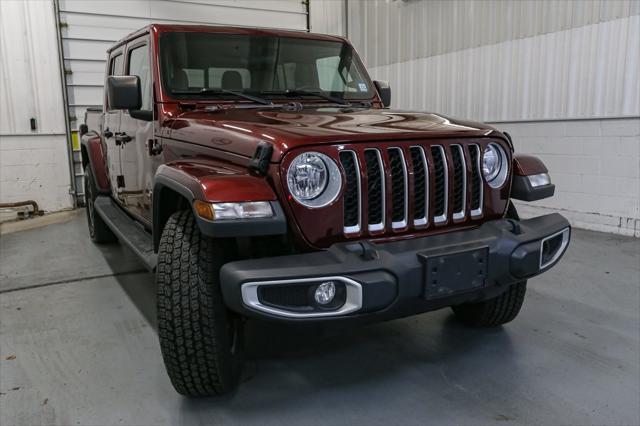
{"x":240,"y":130}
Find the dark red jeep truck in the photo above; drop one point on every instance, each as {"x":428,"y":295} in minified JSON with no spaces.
{"x":260,"y":173}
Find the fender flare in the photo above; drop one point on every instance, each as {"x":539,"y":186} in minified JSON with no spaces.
{"x":207,"y":188}
{"x":92,"y":154}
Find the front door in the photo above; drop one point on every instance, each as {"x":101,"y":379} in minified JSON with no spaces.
{"x":136,"y":162}
{"x":111,"y":124}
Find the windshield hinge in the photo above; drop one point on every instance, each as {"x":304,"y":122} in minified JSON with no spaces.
{"x":259,"y":163}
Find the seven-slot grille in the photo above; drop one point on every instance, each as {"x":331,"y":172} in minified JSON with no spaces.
{"x":425,"y":185}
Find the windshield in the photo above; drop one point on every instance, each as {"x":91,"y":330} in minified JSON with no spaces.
{"x":206,"y":64}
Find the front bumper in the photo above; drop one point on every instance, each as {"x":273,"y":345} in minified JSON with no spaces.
{"x":396,"y":279}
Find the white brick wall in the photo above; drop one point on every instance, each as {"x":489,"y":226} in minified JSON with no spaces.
{"x":595,"y":165}
{"x":35,"y":167}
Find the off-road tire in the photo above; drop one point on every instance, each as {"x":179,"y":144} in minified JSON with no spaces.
{"x":98,"y":230}
{"x":493,"y":312}
{"x":499,"y":310}
{"x":200,"y":338}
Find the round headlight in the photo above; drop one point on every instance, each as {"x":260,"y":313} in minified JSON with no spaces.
{"x":494,"y":165}
{"x":314,"y":179}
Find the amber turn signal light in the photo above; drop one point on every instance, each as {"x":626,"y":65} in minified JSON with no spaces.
{"x":203,"y":209}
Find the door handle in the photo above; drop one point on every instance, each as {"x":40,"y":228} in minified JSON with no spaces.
{"x":108,"y":134}
{"x":122,"y":138}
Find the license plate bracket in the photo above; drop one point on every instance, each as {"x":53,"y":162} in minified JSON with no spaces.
{"x":451,"y":273}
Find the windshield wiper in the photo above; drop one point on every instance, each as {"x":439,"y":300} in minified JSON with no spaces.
{"x":302,"y":92}
{"x":205,"y":92}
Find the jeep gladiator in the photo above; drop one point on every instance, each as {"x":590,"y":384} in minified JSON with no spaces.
{"x":261,"y":173}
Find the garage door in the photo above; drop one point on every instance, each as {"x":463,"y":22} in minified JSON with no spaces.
{"x":89,"y":28}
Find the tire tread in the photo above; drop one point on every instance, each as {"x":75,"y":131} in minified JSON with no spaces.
{"x":494,"y":312}
{"x":192,"y":319}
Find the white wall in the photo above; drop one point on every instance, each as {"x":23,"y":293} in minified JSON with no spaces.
{"x":560,"y":76}
{"x":33,"y":163}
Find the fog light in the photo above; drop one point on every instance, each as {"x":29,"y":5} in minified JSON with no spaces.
{"x":325,"y":292}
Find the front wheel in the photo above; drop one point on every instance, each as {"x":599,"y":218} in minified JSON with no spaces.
{"x":200,"y":338}
{"x":493,"y":312}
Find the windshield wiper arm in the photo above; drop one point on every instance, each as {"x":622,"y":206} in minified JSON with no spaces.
{"x":302,"y":92}
{"x":206,"y":91}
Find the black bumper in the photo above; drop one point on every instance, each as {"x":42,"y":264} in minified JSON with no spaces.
{"x":400,"y":278}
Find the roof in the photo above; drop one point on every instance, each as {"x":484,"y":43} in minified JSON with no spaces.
{"x":163,"y":28}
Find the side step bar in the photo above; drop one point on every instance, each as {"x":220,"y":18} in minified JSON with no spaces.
{"x":127,"y":230}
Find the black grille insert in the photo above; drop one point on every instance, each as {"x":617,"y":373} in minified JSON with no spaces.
{"x":374,"y":186}
{"x":440,"y":179}
{"x":419,"y":183}
{"x":476,"y":181}
{"x":459,"y":171}
{"x":352,"y":190}
{"x":285,"y":295}
{"x":398,"y":184}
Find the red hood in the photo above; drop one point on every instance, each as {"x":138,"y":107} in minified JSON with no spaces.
{"x":239,"y":131}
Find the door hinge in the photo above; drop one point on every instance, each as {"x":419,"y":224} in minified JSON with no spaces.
{"x":154,"y":147}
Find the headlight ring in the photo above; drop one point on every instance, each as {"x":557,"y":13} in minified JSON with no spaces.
{"x":314,"y":179}
{"x":495,"y":165}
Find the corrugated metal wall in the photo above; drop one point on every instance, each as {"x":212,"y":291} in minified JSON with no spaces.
{"x":327,"y":17}
{"x":504,"y":60}
{"x":89,"y":28}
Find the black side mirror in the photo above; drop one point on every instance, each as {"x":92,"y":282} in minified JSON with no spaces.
{"x":123,"y":92}
{"x":384,"y":91}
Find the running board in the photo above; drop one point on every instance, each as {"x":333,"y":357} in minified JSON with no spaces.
{"x":127,"y":230}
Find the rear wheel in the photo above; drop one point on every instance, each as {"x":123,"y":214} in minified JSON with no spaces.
{"x":200,"y":339}
{"x":99,"y":231}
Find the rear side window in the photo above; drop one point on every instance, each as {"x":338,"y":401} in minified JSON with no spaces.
{"x":139,"y":65}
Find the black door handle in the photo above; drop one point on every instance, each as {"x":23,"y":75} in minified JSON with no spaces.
{"x":108,"y":134}
{"x":122,"y":138}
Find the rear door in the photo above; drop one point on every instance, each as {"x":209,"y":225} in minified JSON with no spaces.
{"x":111,"y":124}
{"x":137,"y":166}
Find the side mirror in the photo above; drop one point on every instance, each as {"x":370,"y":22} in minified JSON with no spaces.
{"x":384,"y":91}
{"x":123,"y":92}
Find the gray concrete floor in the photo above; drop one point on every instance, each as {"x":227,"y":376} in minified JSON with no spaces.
{"x":79,"y":346}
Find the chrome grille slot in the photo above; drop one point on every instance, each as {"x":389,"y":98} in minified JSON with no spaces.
{"x":399,"y":189}
{"x":420,"y":186}
{"x":441,"y":190}
{"x":459,"y":182}
{"x":352,"y":198}
{"x":375,"y":189}
{"x":477,"y":189}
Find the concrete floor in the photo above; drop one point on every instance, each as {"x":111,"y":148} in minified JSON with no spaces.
{"x":79,"y":346}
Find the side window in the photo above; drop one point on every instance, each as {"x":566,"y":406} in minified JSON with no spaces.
{"x":116,"y":65}
{"x":139,"y":65}
{"x":115,"y":68}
